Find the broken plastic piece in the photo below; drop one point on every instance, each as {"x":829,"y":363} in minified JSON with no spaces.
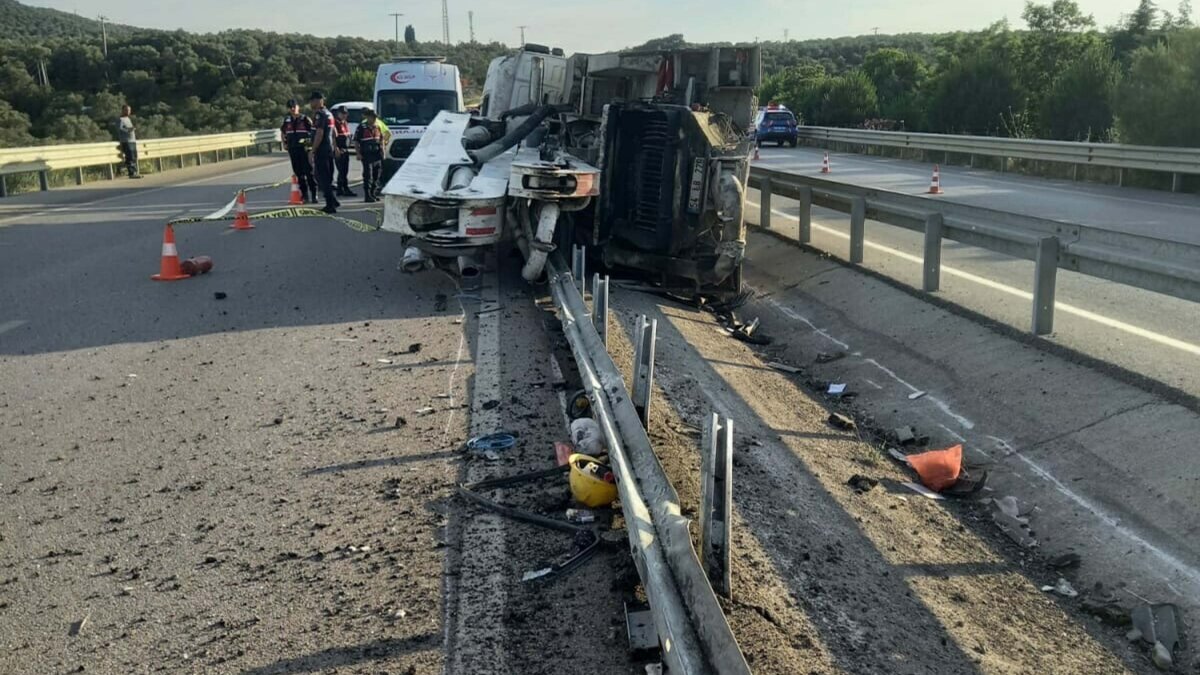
{"x":783,"y":366}
{"x":836,"y":389}
{"x":938,"y":469}
{"x":1063,"y":588}
{"x":830,"y":358}
{"x":840,"y":421}
{"x":923,"y":491}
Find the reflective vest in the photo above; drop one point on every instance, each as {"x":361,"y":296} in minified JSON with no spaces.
{"x":297,"y":131}
{"x":343,"y":133}
{"x":370,"y":142}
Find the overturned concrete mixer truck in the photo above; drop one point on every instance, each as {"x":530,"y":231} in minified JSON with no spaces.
{"x":641,"y":156}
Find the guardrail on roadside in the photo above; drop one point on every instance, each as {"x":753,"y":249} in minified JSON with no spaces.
{"x":43,"y":159}
{"x":1175,"y":161}
{"x":1159,"y":265}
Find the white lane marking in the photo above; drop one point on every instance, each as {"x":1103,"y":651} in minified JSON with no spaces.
{"x":9,"y":325}
{"x":1011,"y":184}
{"x":955,"y":434}
{"x":1138,"y":331}
{"x":793,"y":315}
{"x":137,"y":194}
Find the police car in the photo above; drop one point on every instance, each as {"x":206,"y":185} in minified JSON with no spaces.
{"x":776,"y":123}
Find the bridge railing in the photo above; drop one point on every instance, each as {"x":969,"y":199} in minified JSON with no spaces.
{"x":1159,"y":265}
{"x":43,"y":159}
{"x":1175,"y":161}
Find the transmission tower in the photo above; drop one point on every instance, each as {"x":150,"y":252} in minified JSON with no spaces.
{"x":522,"y":34}
{"x":445,"y":23}
{"x":471,"y":25}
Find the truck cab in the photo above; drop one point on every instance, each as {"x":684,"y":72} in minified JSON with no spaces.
{"x":409,"y":93}
{"x":534,"y":75}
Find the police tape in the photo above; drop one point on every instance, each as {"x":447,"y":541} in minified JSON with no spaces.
{"x":287,"y":212}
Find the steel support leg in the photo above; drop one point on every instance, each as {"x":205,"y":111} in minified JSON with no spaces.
{"x":643,"y":367}
{"x":806,"y":198}
{"x":1045,"y":276}
{"x":932,"y":277}
{"x":716,"y":503}
{"x":764,"y":200}
{"x":44,"y":180}
{"x":858,"y":229}
{"x":600,"y":307}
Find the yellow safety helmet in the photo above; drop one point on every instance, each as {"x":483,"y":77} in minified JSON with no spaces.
{"x":588,"y":488}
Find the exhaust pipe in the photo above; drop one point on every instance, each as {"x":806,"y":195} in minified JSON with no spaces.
{"x":542,"y":243}
{"x":467,"y":268}
{"x":415,"y":260}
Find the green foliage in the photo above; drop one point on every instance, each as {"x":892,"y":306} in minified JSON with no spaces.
{"x":410,"y":35}
{"x":898,"y":77}
{"x":1158,"y":99}
{"x":847,"y":100}
{"x":14,"y":127}
{"x":973,"y":96}
{"x":1078,"y":106}
{"x":356,"y":85}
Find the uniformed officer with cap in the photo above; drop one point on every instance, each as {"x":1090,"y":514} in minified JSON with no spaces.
{"x":324,"y":151}
{"x":341,"y":124}
{"x":296,"y":132}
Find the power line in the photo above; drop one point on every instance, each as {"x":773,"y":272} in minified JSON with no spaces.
{"x":396,"y":17}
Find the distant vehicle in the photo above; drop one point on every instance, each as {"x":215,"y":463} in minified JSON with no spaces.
{"x":776,"y":123}
{"x":409,"y":93}
{"x":355,"y":110}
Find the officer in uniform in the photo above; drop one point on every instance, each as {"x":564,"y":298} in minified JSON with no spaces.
{"x":324,"y":150}
{"x":296,"y":132}
{"x":368,"y":139}
{"x":342,"y":139}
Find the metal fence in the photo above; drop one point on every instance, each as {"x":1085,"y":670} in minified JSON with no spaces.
{"x":1175,"y":161}
{"x":43,"y":159}
{"x":1163,"y":266}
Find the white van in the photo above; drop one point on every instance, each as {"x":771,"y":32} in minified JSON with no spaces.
{"x":409,"y":92}
{"x":354,"y":110}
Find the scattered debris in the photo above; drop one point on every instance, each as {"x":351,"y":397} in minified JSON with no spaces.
{"x":915,"y":395}
{"x":1064,"y":561}
{"x":563,"y":452}
{"x":581,"y":516}
{"x":862,"y":483}
{"x":938,"y":469}
{"x":277,"y":421}
{"x":400,"y":421}
{"x":536,"y":574}
{"x":1008,"y":517}
{"x":425,"y":411}
{"x":824,"y":357}
{"x":414,"y":348}
{"x":907,"y":435}
{"x":77,"y":626}
{"x":587,"y":437}
{"x":491,"y":444}
{"x":898,"y":456}
{"x":923,"y":491}
{"x":220,"y":295}
{"x":592,"y":483}
{"x":840,"y":421}
{"x":784,"y":367}
{"x":491,"y":404}
{"x":384,"y":361}
{"x":1063,"y":588}
{"x":1157,"y":625}
{"x":836,"y":389}
{"x":579,"y":405}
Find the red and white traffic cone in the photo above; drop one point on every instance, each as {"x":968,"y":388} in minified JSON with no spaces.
{"x":295,"y":199}
{"x":935,"y":183}
{"x":825,"y":164}
{"x":242,"y":220}
{"x":168,"y":269}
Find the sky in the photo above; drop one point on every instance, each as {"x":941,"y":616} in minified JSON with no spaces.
{"x":601,"y":25}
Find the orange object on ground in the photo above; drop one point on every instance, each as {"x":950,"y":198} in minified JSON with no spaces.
{"x":201,"y":264}
{"x":935,"y":183}
{"x":242,"y":220}
{"x":168,"y":269}
{"x":938,"y":469}
{"x":825,"y":164}
{"x":295,"y":199}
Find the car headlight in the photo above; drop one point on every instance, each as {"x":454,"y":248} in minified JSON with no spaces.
{"x":423,"y":214}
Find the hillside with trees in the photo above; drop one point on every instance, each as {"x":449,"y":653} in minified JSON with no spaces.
{"x":1057,"y":76}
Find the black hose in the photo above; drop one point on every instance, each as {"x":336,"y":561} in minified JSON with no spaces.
{"x":499,"y":147}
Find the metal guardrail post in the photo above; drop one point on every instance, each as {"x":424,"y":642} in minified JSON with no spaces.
{"x":199,"y":158}
{"x":600,"y":307}
{"x":764,"y":201}
{"x":579,"y":268}
{"x":716,"y":503}
{"x":806,"y":198}
{"x":643,"y":367}
{"x":1176,"y":182}
{"x":158,"y":164}
{"x":1045,"y":276}
{"x":112,"y":175}
{"x":79,"y":175}
{"x":932,"y":278}
{"x":3,"y":186}
{"x":858,"y":229}
{"x":44,"y":180}
{"x":1121,"y":177}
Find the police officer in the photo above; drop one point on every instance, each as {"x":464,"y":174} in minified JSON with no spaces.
{"x":342,"y":140}
{"x":368,"y":139}
{"x":296,"y":132}
{"x":324,"y":150}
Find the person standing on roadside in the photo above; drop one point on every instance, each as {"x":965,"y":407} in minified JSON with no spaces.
{"x":341,"y":125}
{"x":127,"y":135}
{"x":368,"y":139}
{"x":324,"y":150}
{"x":296,"y":132}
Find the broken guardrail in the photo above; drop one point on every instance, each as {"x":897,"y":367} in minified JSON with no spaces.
{"x":1159,"y":265}
{"x":692,"y":629}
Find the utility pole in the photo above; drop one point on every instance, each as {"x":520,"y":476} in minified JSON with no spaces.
{"x":396,"y":17}
{"x":445,"y":24}
{"x":471,"y":24}
{"x":785,"y":35}
{"x":876,"y":29}
{"x":522,"y":34}
{"x":104,"y":32}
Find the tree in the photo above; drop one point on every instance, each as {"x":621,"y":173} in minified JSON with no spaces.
{"x":1060,"y":16}
{"x":898,"y":76}
{"x":356,"y":85}
{"x":797,"y":87}
{"x":1158,"y":99}
{"x":973,"y":95}
{"x":14,"y":127}
{"x":410,"y":35}
{"x":1078,"y":106}
{"x":672,"y":41}
{"x":1137,"y":31}
{"x":848,"y":100}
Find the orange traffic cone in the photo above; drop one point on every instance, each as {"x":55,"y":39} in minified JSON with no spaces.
{"x":169,"y":267}
{"x":242,"y":220}
{"x":935,"y":183}
{"x":825,"y":164}
{"x":756,"y":157}
{"x":295,"y":199}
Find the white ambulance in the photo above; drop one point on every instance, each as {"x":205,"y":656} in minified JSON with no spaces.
{"x":409,"y":92}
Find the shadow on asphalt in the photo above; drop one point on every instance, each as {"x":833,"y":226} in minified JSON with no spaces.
{"x":356,"y":655}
